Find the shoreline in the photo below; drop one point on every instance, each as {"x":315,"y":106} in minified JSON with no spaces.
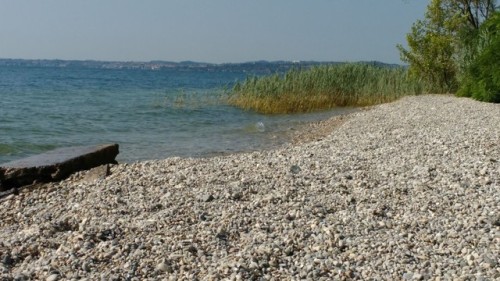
{"x":407,"y":190}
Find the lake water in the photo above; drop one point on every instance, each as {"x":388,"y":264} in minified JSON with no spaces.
{"x":151,"y":114}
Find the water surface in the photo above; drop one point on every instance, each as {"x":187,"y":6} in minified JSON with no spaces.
{"x":151,"y":114}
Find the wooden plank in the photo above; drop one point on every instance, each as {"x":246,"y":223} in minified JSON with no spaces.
{"x":55,"y":165}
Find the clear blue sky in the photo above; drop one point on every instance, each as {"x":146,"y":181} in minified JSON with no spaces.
{"x":206,"y":30}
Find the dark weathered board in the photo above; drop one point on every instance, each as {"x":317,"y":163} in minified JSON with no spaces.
{"x":55,"y":165}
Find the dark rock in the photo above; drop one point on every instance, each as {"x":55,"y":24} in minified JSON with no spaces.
{"x":203,"y":216}
{"x":222,"y":235}
{"x":55,"y":165}
{"x":496,"y":221}
{"x":294,"y":169}
{"x":7,"y":260}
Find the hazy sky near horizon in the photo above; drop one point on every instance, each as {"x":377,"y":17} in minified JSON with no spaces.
{"x":213,"y":31}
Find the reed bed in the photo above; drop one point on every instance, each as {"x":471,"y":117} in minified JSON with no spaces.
{"x":324,"y":87}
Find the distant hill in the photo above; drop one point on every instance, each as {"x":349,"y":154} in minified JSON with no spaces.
{"x":260,"y":66}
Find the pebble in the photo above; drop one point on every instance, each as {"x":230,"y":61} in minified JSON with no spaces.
{"x":162,"y":267}
{"x":52,"y":277}
{"x":398,"y":191}
{"x":207,"y":198}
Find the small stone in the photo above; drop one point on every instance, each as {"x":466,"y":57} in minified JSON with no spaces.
{"x":342,"y":245}
{"x":203,"y":216}
{"x":97,"y":173}
{"x":290,"y":216}
{"x":7,"y":260}
{"x":485,"y":265}
{"x":294,"y":169}
{"x":207,"y":198}
{"x":86,"y":267}
{"x":162,"y":267}
{"x":52,"y":277}
{"x":236,"y":196}
{"x":20,"y":277}
{"x":192,"y":249}
{"x":408,"y":276}
{"x":417,"y":276}
{"x":253,"y":265}
{"x":490,"y":261}
{"x":483,"y":171}
{"x":496,"y":221}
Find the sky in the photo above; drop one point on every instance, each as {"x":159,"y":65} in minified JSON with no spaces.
{"x":214,"y":31}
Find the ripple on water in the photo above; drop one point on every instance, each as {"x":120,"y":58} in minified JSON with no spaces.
{"x":150,"y":115}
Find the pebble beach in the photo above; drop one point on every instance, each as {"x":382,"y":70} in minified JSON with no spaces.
{"x":408,"y":190}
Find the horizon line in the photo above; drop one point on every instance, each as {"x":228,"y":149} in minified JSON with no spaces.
{"x":198,"y":62}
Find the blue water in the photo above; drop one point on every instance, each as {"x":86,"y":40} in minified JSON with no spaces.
{"x":151,"y":114}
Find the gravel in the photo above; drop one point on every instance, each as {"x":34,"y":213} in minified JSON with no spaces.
{"x":404,"y":191}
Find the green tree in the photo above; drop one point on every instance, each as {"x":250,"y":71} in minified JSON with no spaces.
{"x":482,"y":78}
{"x":442,"y":44}
{"x":473,"y":12}
{"x":431,"y":49}
{"x":468,"y":17}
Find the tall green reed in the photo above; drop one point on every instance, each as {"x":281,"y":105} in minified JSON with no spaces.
{"x":324,"y":87}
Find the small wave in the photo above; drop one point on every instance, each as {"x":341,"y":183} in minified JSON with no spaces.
{"x":260,"y":127}
{"x":257,"y":127}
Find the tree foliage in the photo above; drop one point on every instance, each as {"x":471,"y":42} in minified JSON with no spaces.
{"x":431,"y":49}
{"x":473,"y":12}
{"x":469,"y":16}
{"x":482,"y":78}
{"x":443,"y":43}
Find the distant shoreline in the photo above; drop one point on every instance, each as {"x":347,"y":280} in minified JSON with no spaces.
{"x":159,"y":64}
